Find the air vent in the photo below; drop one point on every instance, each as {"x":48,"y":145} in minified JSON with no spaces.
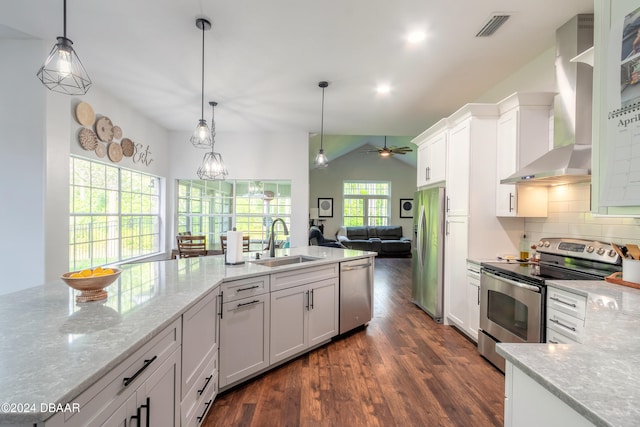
{"x":492,"y":25}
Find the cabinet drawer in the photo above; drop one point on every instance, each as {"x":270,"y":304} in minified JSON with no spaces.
{"x":238,"y":289}
{"x":199,"y":399}
{"x":554,"y":337}
{"x":566,"y":302}
{"x":199,"y":338}
{"x":110,"y":390}
{"x":303,"y":276}
{"x":567,"y":325}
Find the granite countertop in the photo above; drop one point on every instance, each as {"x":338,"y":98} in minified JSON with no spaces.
{"x":52,"y":349}
{"x":598,"y":378}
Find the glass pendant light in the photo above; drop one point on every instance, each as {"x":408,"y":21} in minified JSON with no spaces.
{"x":321,"y":159}
{"x":201,"y":137}
{"x":212,"y":167}
{"x":62,"y":71}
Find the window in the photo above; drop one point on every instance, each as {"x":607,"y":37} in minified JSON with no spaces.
{"x":114,"y":214}
{"x":212,"y":208}
{"x":366,"y":203}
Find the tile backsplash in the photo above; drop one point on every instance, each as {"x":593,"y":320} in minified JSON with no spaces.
{"x":569,"y":216}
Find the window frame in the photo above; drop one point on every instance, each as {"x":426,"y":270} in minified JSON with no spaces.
{"x":366,"y":205}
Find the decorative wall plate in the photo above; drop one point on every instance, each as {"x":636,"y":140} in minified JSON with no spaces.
{"x":104,"y":129}
{"x":101,"y":149}
{"x":128,"y":147}
{"x":115,"y":152}
{"x":87,"y":139}
{"x":85,"y":115}
{"x":117,"y":132}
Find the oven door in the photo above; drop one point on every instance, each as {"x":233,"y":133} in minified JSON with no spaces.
{"x":510,"y":311}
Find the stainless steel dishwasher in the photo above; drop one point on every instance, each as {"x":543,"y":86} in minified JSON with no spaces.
{"x":356,"y":293}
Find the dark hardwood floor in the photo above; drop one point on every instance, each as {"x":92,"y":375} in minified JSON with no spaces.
{"x":402,"y":370}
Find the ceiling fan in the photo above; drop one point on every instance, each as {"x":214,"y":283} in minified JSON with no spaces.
{"x":390,"y":151}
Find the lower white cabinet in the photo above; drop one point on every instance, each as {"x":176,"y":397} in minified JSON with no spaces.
{"x":244,"y":338}
{"x":473,"y":300}
{"x":566,"y":312}
{"x":144,"y":387}
{"x":456,"y":241}
{"x":528,"y":404}
{"x":303,"y":317}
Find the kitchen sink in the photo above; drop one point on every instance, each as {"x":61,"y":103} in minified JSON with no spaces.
{"x":286,"y":260}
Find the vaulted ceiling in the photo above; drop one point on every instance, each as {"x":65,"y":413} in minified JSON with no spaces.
{"x":264,"y":59}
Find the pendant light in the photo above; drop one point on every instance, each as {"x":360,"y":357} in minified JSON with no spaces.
{"x":62,"y":71}
{"x":212,"y":167}
{"x":201,"y":137}
{"x":321,"y":159}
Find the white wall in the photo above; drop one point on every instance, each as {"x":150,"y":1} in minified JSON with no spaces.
{"x":253,"y":156}
{"x":39,"y":132}
{"x":358,"y":166}
{"x":22,"y":165}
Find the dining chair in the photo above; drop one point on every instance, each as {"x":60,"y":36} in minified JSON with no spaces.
{"x":191,"y":246}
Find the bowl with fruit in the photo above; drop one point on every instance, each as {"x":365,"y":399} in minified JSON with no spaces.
{"x":91,"y":282}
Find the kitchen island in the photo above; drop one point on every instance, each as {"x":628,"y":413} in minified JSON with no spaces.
{"x":52,"y":349}
{"x":592,"y":383}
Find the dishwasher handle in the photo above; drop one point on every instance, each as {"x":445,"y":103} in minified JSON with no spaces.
{"x":355,"y":267}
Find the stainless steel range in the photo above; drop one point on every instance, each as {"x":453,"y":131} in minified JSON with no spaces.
{"x":512,"y":294}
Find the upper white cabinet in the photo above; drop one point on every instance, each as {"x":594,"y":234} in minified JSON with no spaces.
{"x":432,"y":154}
{"x":523,"y":136}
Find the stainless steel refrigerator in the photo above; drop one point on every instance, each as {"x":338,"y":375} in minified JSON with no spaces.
{"x":428,"y":251}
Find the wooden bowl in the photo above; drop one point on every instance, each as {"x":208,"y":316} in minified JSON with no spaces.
{"x":91,"y":288}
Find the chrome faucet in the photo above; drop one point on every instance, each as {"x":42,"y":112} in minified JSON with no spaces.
{"x":272,"y":239}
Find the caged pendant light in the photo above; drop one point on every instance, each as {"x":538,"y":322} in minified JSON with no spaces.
{"x":62,"y":70}
{"x":201,"y":137}
{"x":212,"y":167}
{"x":321,"y":159}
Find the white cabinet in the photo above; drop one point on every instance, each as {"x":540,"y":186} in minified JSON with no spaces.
{"x":523,"y":136}
{"x":145,"y":386}
{"x":528,"y":404}
{"x":199,"y":358}
{"x":244,"y":329}
{"x":566,"y":313}
{"x":304,"y":310}
{"x":457,"y":195}
{"x":455,"y":267}
{"x":303,"y":317}
{"x":473,"y":299}
{"x":432,"y":149}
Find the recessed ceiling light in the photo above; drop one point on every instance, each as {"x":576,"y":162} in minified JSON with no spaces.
{"x":416,"y":36}
{"x":383,"y":89}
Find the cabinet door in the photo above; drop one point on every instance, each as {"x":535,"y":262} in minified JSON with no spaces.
{"x":422,"y":165}
{"x":244,"y":338}
{"x":506,"y":163}
{"x":323,"y":312}
{"x":458,"y":169}
{"x":438,"y":159}
{"x":289,"y":309}
{"x":199,"y":339}
{"x":455,"y":271}
{"x":121,"y":416}
{"x":158,"y":397}
{"x":473,"y":304}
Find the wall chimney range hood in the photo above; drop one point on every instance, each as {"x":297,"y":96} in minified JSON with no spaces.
{"x":570,"y":159}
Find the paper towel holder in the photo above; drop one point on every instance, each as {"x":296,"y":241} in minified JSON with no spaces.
{"x":226,"y":252}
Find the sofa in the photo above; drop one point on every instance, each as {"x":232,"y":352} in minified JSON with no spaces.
{"x":316,"y":238}
{"x":386,"y":240}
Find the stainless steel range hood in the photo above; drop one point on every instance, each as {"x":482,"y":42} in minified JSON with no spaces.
{"x":570,"y":159}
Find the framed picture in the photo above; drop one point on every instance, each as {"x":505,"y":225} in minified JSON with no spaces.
{"x":406,"y":208}
{"x":325,"y":207}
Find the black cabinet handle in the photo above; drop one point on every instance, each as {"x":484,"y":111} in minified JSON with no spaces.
{"x":311,"y":299}
{"x":206,"y":408}
{"x":205,"y":385}
{"x":147,"y":362}
{"x":247,"y":303}
{"x":247,"y":289}
{"x":148,"y":407}
{"x":221,"y":299}
{"x":308,"y":301}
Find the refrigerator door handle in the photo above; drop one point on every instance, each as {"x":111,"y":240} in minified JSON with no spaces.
{"x":420,"y":243}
